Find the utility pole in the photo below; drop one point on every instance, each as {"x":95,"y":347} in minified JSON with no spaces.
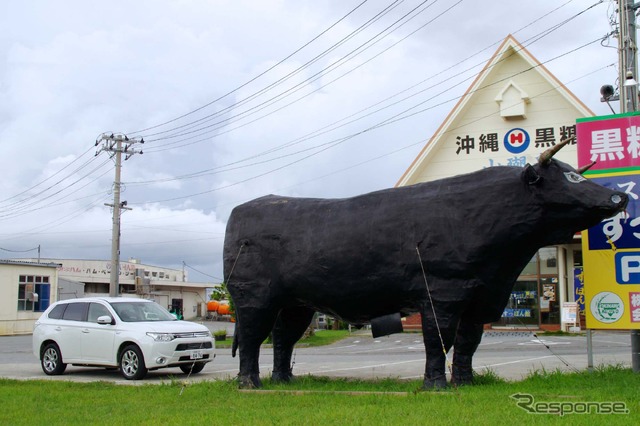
{"x":117,"y":145}
{"x":628,"y":103}
{"x":628,"y":59}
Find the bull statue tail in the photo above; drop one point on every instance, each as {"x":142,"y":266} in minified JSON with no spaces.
{"x":234,"y":347}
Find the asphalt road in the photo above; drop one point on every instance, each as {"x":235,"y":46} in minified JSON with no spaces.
{"x":511,"y":355}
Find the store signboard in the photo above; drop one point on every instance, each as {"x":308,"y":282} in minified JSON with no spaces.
{"x":570,"y":312}
{"x":611,"y":249}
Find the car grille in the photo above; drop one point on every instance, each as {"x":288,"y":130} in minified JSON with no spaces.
{"x":191,"y":335}
{"x":196,"y":345}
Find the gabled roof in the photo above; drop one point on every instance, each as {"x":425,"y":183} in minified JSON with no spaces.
{"x":510,"y":46}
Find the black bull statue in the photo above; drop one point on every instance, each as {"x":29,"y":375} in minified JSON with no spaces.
{"x":450,"y":249}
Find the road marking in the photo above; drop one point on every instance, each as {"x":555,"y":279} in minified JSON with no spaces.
{"x":492,"y":365}
{"x":491,"y":343}
{"x":543,"y":342}
{"x":611,"y":342}
{"x":366,"y":366}
{"x":517,"y":361}
{"x":342,"y":347}
{"x":386,"y":348}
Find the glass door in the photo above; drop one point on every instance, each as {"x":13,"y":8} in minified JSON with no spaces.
{"x":522,"y":310}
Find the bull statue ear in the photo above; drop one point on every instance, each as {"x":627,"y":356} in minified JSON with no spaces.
{"x":530,"y":176}
{"x":546,"y":156}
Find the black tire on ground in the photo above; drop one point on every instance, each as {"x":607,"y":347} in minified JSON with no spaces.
{"x":193,"y":368}
{"x":51,"y":360}
{"x":132,"y":366}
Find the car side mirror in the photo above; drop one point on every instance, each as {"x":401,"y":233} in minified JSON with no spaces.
{"x":105,"y":320}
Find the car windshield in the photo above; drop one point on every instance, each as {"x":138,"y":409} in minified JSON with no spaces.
{"x":141,"y":311}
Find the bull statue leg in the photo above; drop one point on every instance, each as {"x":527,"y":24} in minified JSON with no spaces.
{"x":252,"y":328}
{"x":289,"y":328}
{"x":435,"y":369}
{"x":468,"y":338}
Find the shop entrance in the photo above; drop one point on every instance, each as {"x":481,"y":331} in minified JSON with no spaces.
{"x":534,"y":300}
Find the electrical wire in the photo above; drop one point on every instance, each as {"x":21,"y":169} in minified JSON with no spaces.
{"x":280,"y":62}
{"x":227,"y":167}
{"x":215,"y":127}
{"x":544,"y":33}
{"x":321,"y":148}
{"x":337,"y":63}
{"x":203,"y":273}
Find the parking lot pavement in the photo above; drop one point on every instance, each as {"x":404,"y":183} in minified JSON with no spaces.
{"x":509,"y":355}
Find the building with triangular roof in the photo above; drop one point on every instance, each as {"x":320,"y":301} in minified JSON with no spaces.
{"x":513,"y":111}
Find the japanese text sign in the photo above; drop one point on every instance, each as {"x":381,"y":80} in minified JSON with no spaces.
{"x":611,"y":249}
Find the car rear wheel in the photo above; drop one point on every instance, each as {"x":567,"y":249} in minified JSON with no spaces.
{"x":193,"y":368}
{"x":132,"y":364}
{"x":51,"y":360}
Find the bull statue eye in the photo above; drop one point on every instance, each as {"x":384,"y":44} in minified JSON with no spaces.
{"x":574,"y":177}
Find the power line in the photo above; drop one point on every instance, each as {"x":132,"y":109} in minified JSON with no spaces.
{"x":256,"y":77}
{"x":450,"y":76}
{"x":20,"y":251}
{"x":227,"y":167}
{"x":203,"y":273}
{"x":328,"y":145}
{"x":284,"y":94}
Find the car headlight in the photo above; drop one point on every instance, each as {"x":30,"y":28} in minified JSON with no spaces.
{"x":161,"y":337}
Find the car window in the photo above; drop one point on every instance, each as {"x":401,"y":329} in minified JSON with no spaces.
{"x":96,"y":310}
{"x":57,"y":311}
{"x":75,"y":311}
{"x":141,"y":311}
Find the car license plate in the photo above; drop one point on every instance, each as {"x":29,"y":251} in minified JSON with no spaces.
{"x":196,"y":355}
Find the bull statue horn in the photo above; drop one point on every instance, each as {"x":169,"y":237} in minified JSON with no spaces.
{"x":586,"y":167}
{"x":549,"y":153}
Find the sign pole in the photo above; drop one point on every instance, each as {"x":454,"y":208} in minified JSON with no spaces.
{"x":628,"y":103}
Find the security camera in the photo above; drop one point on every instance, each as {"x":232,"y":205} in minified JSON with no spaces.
{"x":607,"y":92}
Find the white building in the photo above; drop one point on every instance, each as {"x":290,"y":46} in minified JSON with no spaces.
{"x":26,"y":290}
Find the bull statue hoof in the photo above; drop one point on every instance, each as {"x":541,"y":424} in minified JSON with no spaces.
{"x":282,"y":376}
{"x":437,"y":383}
{"x":461,"y":379}
{"x":251,"y":381}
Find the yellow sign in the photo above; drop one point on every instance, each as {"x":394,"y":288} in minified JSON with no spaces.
{"x":611,"y":258}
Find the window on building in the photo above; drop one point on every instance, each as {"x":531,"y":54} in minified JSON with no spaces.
{"x":33,"y":293}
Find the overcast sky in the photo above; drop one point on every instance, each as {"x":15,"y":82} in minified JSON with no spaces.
{"x":236,"y":99}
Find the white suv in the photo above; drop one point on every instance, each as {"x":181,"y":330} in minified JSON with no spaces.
{"x":135,"y":335}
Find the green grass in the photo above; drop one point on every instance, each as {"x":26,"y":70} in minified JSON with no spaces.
{"x":319,"y":401}
{"x":320,"y":338}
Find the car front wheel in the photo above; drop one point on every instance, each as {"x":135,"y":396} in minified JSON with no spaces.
{"x":51,"y":360}
{"x":132,"y":364}
{"x":193,"y":368}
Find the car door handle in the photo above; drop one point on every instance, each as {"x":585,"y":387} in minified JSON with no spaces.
{"x":58,"y":328}
{"x":85,"y":330}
